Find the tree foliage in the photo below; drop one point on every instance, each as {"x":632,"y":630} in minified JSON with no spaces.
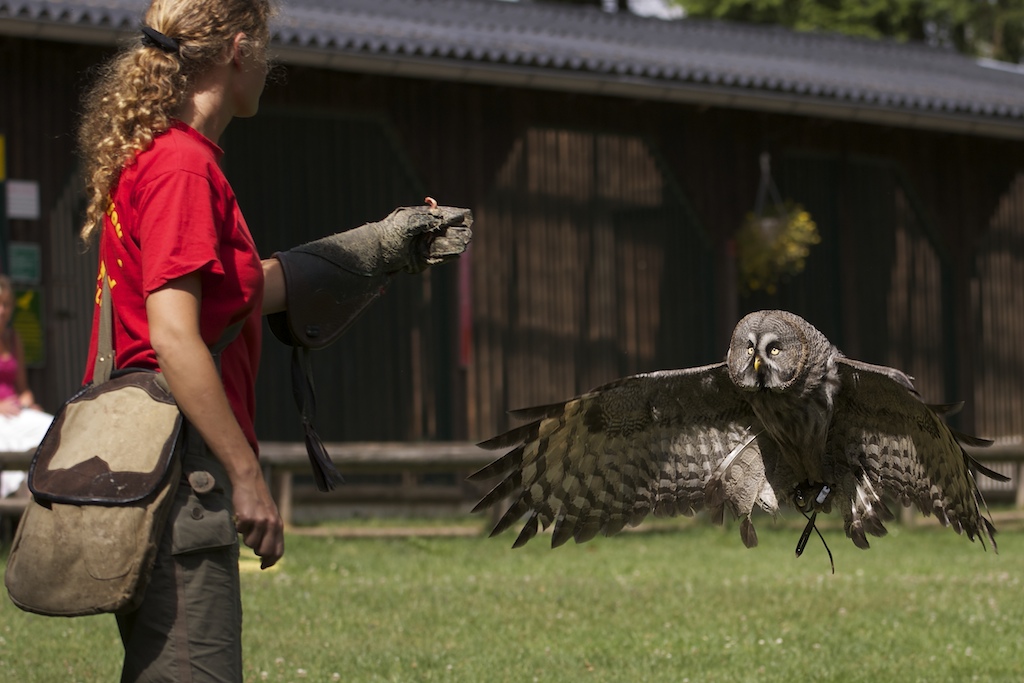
{"x":986,"y":28}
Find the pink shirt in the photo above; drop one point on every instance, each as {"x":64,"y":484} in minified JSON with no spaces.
{"x":8,"y":376}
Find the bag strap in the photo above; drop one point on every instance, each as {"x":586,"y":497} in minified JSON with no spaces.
{"x":226,"y":337}
{"x":104,"y":363}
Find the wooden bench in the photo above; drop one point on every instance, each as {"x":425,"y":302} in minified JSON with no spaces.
{"x":402,"y":465}
{"x":15,"y":460}
{"x":281,"y":461}
{"x":11,"y":508}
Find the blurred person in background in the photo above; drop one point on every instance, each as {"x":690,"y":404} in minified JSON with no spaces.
{"x":22,"y":422}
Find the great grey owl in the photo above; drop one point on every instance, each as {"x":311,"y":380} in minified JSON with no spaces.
{"x":786,"y":418}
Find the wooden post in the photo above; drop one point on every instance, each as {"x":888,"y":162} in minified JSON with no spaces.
{"x":1019,"y":485}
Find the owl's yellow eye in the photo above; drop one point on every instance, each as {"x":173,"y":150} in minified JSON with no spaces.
{"x":774,"y":351}
{"x":750,"y":350}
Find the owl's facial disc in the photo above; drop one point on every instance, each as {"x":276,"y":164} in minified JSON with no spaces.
{"x":767,"y":352}
{"x":762,"y":354}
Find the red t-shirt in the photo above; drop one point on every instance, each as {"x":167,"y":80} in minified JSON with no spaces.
{"x":173,"y":213}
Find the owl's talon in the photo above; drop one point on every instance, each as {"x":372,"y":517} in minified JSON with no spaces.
{"x":802,"y":497}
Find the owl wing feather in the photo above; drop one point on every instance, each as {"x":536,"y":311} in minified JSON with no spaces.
{"x":643,"y":444}
{"x":888,"y":441}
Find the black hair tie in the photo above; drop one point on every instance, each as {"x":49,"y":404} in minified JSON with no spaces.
{"x":153,"y":38}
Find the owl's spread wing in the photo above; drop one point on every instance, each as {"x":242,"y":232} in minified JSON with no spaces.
{"x":642,"y":444}
{"x":887,"y":441}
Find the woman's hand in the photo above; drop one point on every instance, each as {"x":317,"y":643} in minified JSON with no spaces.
{"x":257,"y":518}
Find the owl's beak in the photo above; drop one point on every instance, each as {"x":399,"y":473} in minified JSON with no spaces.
{"x":757,"y":363}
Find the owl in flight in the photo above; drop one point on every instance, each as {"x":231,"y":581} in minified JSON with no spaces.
{"x":785,"y":419}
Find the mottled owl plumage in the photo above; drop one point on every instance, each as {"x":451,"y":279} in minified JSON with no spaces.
{"x":785,"y":419}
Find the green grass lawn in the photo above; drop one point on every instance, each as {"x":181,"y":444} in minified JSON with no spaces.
{"x":686,"y":602}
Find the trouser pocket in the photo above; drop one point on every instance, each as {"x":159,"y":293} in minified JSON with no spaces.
{"x":202,"y":516}
{"x":201,"y":522}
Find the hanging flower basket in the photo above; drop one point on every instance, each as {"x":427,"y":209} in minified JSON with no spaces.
{"x":773,"y":245}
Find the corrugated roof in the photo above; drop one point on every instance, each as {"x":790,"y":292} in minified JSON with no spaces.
{"x":569,"y":47}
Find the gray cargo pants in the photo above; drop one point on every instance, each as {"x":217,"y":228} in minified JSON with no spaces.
{"x":189,"y":626}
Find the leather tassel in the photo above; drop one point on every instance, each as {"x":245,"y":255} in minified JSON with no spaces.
{"x":324,"y":471}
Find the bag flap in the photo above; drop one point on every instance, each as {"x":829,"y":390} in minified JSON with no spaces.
{"x":110,"y":443}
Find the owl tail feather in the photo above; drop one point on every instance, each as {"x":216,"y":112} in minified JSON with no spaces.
{"x":986,"y":527}
{"x":748,"y":533}
{"x":714,"y":493}
{"x":867,"y":514}
{"x":530,"y":530}
{"x":990,"y":531}
{"x":977,"y":468}
{"x":511,"y":516}
{"x":508,"y":463}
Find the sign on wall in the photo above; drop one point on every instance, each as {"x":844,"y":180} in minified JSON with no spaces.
{"x":25,"y":262}
{"x":23,"y":199}
{"x":28,"y":323}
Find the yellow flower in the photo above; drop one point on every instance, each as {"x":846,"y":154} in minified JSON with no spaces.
{"x":774,"y":246}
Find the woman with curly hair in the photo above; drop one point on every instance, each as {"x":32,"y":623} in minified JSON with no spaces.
{"x":182,"y":268}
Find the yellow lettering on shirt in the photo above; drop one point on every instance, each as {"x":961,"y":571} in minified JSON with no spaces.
{"x":115,"y":221}
{"x":111,"y":282}
{"x":112,"y":215}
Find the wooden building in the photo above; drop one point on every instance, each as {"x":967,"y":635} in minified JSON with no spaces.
{"x":609,"y":161}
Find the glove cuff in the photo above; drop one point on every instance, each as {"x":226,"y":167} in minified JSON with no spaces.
{"x":322,"y":299}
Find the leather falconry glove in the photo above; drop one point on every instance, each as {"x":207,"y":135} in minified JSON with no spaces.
{"x":331,"y":280}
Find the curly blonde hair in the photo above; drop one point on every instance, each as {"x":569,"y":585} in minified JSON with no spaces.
{"x":138,"y":91}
